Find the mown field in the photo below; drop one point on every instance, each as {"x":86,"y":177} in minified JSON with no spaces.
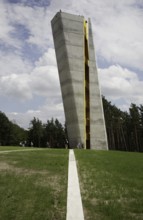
{"x":111,"y":184}
{"x":33,"y":185}
{"x":5,"y":148}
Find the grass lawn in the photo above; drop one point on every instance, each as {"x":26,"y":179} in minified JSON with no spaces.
{"x":111,"y":184}
{"x":14,"y":148}
{"x":5,"y":148}
{"x":33,"y":185}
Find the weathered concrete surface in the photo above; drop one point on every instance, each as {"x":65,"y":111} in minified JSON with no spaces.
{"x":98,"y":138}
{"x":68,"y":34}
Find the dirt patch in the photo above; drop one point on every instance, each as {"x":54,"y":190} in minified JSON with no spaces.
{"x":4,"y":166}
{"x":43,"y":178}
{"x":138,"y":216}
{"x":52,"y":181}
{"x":94,"y":201}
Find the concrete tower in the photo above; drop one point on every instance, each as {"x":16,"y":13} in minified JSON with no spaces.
{"x":79,"y":81}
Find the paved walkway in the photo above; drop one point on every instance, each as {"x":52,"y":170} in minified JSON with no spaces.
{"x":74,"y":202}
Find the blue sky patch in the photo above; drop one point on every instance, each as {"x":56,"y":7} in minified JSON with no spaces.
{"x":31,"y":52}
{"x":20,"y":32}
{"x":31,"y":3}
{"x":12,"y":105}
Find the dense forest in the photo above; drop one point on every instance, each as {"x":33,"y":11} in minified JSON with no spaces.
{"x":10,"y":132}
{"x":124,"y":130}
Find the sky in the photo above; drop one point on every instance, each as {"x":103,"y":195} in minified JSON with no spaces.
{"x":29,"y":81}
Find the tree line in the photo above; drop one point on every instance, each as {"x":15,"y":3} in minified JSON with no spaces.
{"x":51,"y":134}
{"x":124,"y":130}
{"x":10,"y":132}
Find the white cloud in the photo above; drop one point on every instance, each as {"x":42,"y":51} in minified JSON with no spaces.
{"x":44,"y":77}
{"x":119,"y":39}
{"x":117,"y":26}
{"x":16,"y":86}
{"x":44,"y":113}
{"x":43,"y":80}
{"x":11,"y":63}
{"x":6,"y":28}
{"x":36,"y":20}
{"x":117,"y":30}
{"x":48,"y":58}
{"x":120,"y":83}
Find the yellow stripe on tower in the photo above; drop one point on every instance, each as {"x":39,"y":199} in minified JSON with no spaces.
{"x":85,"y":36}
{"x":86,"y":89}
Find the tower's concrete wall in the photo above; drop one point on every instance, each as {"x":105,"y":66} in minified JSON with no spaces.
{"x":68,"y":40}
{"x":68,"y":33}
{"x":98,"y":138}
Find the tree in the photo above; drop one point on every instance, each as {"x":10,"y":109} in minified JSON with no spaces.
{"x":124,"y":129}
{"x":17,"y":134}
{"x":35,"y":132}
{"x":10,"y":133}
{"x":55,"y":134}
{"x":136,"y":126}
{"x":4,"y":129}
{"x":141,"y":127}
{"x":114,"y":125}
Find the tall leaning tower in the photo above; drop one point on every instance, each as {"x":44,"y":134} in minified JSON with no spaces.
{"x":79,"y":81}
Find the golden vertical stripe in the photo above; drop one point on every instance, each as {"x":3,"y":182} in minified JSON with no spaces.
{"x":86,"y":89}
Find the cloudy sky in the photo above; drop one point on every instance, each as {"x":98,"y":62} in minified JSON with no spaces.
{"x":29,"y":82}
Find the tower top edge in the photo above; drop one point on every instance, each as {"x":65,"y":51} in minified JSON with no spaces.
{"x":66,"y":15}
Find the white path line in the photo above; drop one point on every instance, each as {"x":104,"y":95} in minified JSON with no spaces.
{"x":9,"y":151}
{"x":74,"y":202}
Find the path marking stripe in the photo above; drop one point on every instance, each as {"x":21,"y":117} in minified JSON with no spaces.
{"x":74,"y":202}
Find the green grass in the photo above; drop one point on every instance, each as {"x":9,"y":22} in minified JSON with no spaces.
{"x":33,"y":185}
{"x":5,"y":148}
{"x":111,"y":184}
